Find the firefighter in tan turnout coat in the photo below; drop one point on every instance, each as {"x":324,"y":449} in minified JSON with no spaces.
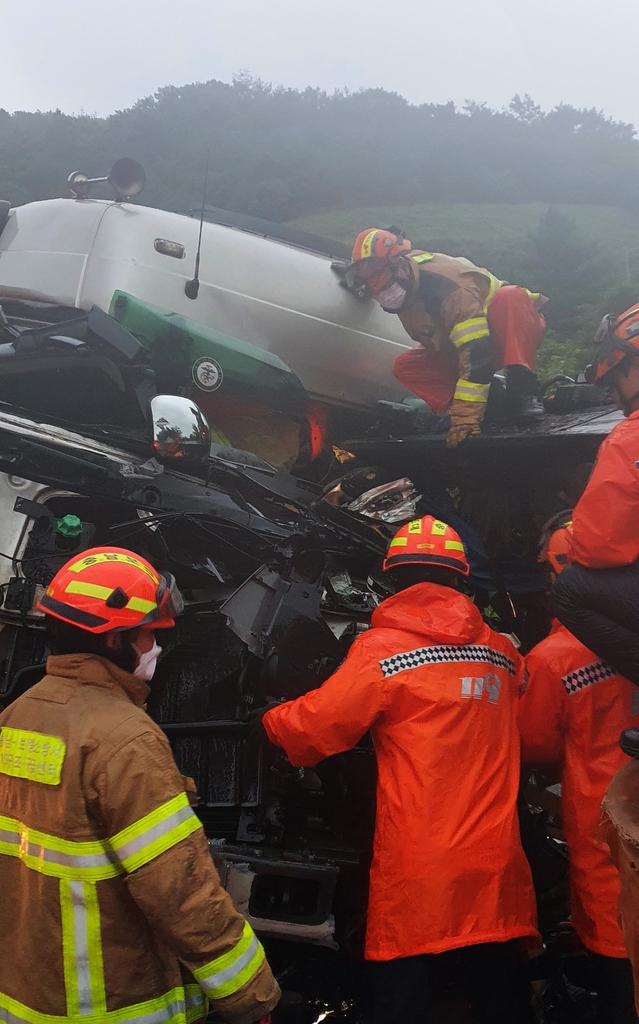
{"x":110,"y":907}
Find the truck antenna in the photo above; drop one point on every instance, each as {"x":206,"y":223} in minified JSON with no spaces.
{"x":192,"y":287}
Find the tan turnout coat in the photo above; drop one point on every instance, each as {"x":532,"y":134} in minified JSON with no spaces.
{"x":111,"y":910}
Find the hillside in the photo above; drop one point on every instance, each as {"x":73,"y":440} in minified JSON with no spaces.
{"x":550,"y":198}
{"x":584,"y":258}
{"x":286,"y":153}
{"x":491,"y":234}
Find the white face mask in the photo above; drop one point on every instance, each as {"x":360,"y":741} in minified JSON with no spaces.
{"x":147,"y":662}
{"x":392,"y":297}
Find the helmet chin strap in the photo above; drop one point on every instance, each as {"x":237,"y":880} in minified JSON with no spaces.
{"x":626,"y":403}
{"x":629,"y":405}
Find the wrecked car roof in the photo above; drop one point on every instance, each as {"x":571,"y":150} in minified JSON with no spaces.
{"x":589,"y":425}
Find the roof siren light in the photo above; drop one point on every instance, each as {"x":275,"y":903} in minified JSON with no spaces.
{"x":126,"y":178}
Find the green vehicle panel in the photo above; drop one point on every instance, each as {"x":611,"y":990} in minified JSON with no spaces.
{"x":190,"y":357}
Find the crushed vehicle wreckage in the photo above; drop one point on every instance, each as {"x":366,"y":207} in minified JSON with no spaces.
{"x":279,"y":573}
{"x":124,"y":423}
{"x":277,"y":583}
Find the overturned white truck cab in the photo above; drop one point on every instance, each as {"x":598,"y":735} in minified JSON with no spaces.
{"x":272,"y":291}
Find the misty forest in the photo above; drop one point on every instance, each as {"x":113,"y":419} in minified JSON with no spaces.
{"x":545,"y":199}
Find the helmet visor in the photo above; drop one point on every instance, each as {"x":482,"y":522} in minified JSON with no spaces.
{"x":368,"y":276}
{"x":611,"y":351}
{"x":170,"y":603}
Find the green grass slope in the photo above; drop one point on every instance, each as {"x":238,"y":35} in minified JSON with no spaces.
{"x":492,"y":235}
{"x":496,"y":236}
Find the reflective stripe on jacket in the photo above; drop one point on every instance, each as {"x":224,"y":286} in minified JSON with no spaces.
{"x":605,"y":523}
{"x":110,"y":907}
{"x":572,"y":713}
{"x":439,"y":691}
{"x":448,"y":300}
{"x":446,"y":310}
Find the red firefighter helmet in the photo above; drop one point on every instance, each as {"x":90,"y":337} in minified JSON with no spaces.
{"x":380,"y":243}
{"x":370,"y":269}
{"x":553,"y":547}
{"x":427,"y":541}
{"x":616,"y":339}
{"x":108,"y":589}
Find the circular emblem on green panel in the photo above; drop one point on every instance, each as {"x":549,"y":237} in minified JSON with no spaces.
{"x":207,"y":374}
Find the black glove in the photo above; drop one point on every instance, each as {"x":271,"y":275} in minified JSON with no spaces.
{"x":254,"y":718}
{"x":629,"y":742}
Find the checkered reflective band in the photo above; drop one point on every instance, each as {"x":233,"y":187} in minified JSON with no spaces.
{"x":586,"y":676}
{"x":441,"y":653}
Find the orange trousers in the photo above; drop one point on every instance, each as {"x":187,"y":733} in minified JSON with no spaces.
{"x":516,"y":330}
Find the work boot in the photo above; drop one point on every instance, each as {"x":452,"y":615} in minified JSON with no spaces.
{"x":529,"y":409}
{"x":522,"y":390}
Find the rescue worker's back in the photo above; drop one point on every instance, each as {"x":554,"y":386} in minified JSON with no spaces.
{"x":110,"y":907}
{"x":107,"y":879}
{"x":439,"y":690}
{"x":572,"y":713}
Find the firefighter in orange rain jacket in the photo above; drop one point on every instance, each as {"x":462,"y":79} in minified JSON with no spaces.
{"x":439,"y":691}
{"x":597,"y":597}
{"x":572,"y":713}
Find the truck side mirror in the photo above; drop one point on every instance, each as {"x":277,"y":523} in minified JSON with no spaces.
{"x":180,"y":430}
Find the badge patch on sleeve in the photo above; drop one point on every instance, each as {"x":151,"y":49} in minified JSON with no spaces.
{"x":31,"y":755}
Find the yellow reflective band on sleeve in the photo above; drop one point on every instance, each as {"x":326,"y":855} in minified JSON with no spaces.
{"x":495,"y":285}
{"x":233,"y":970}
{"x":469,"y":330}
{"x":31,"y":755}
{"x":415,"y":526}
{"x":367,"y":244}
{"x":156,"y":832}
{"x":453,"y":545}
{"x":82,"y":948}
{"x":466,"y":391}
{"x":423,"y":257}
{"x":438,"y":528}
{"x":170,"y":1008}
{"x":197,"y":1005}
{"x":58,"y":858}
{"x":399,"y":542}
{"x":111,"y":556}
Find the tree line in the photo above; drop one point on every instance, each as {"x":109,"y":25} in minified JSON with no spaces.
{"x":284,"y":153}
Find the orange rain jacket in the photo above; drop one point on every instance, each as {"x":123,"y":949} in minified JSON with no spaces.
{"x":439,"y":690}
{"x":109,"y":897}
{"x":605,"y":523}
{"x":572,"y":712}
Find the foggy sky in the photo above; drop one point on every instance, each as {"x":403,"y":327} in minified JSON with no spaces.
{"x":99,"y":57}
